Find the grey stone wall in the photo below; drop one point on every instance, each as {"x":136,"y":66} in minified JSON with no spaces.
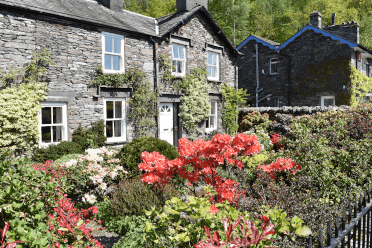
{"x":77,"y":50}
{"x":275,"y":84}
{"x":200,"y":31}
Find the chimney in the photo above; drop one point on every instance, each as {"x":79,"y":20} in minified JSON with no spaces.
{"x":333,"y":19}
{"x":316,"y":19}
{"x":187,"y":5}
{"x":114,"y":5}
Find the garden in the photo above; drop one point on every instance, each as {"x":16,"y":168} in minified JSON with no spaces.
{"x":271,"y":184}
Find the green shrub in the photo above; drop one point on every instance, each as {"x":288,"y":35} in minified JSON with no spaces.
{"x":255,"y":121}
{"x":54,"y":152}
{"x":131,"y":197}
{"x":130,"y":154}
{"x":93,"y":137}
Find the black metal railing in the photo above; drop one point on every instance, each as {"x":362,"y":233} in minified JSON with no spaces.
{"x":354,"y":231}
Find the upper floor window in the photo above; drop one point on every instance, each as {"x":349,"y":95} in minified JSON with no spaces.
{"x":178,"y":60}
{"x":213,"y":64}
{"x":113,"y":52}
{"x":364,"y":67}
{"x":274,"y":65}
{"x":115,"y":119}
{"x":211,"y":123}
{"x":327,"y":101}
{"x":53,"y":123}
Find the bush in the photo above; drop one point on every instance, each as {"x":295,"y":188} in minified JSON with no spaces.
{"x":54,"y":152}
{"x":93,"y":137}
{"x":131,"y":197}
{"x":255,"y":121}
{"x":130,"y":154}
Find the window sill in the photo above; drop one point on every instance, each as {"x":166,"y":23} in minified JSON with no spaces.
{"x":209,"y":130}
{"x":113,"y":72}
{"x":274,"y":73}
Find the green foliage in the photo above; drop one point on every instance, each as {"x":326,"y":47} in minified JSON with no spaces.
{"x":195,"y":106}
{"x":26,"y":197}
{"x":165,"y":63}
{"x":93,"y":137}
{"x":131,"y":197}
{"x":255,"y":121}
{"x":233,"y":100}
{"x":285,"y":226}
{"x":184,"y":222}
{"x":159,"y":8}
{"x":130,"y":153}
{"x":65,"y":158}
{"x":251,"y":164}
{"x":360,"y":86}
{"x":54,"y":152}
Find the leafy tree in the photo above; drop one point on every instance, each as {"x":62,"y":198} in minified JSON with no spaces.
{"x":158,"y":8}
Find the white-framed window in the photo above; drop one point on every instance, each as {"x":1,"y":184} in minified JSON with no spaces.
{"x":213,"y":66}
{"x":327,"y":101}
{"x":112,"y":53}
{"x":274,"y":65}
{"x":367,"y":98}
{"x":178,"y":60}
{"x":364,"y":66}
{"x":211,"y":123}
{"x":114,"y":111}
{"x":53,"y":123}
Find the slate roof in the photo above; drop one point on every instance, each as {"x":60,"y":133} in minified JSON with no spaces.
{"x":89,"y":11}
{"x":273,"y":43}
{"x":169,"y":22}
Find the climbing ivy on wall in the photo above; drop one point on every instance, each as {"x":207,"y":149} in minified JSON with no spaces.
{"x":142,"y":104}
{"x":21,"y":93}
{"x":195,"y":106}
{"x":360,"y":86}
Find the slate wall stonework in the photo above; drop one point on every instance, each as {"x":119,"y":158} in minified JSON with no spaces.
{"x":200,"y":31}
{"x":267,"y":81}
{"x":77,"y":50}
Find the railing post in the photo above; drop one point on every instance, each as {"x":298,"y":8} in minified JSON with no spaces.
{"x":320,"y":239}
{"x":310,"y":242}
{"x":329,"y":233}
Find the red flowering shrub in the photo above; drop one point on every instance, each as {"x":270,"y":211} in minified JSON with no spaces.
{"x":281,"y":164}
{"x":49,"y":168}
{"x":276,"y":140}
{"x":203,"y":157}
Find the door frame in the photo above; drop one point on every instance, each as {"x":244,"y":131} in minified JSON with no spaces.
{"x":175,"y":99}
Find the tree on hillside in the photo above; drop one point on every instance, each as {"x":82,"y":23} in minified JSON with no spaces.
{"x":158,"y":8}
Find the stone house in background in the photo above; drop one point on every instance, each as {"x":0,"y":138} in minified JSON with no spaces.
{"x":312,"y":68}
{"x":81,"y":34}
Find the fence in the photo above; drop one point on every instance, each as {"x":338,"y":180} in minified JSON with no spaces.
{"x":355,"y":230}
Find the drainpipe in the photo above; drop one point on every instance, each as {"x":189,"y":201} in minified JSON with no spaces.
{"x":257,"y":75}
{"x":156,"y":72}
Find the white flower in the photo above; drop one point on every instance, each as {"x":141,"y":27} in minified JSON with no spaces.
{"x":89,"y":198}
{"x":103,"y":186}
{"x":113,"y":174}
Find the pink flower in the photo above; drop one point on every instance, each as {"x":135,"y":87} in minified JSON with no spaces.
{"x":214,"y":210}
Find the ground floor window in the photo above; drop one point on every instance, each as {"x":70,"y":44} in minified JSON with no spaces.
{"x":53,"y":123}
{"x":211,"y":123}
{"x":327,"y":101}
{"x":115,"y":119}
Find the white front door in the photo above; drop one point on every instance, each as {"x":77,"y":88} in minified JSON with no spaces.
{"x":166,"y":122}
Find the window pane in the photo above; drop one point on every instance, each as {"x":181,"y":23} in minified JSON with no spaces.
{"x":180,"y":68}
{"x":46,"y":134}
{"x":46,"y":115}
{"x":117,"y":45}
{"x":109,"y":110}
{"x":209,"y":58}
{"x":57,"y":115}
{"x":213,"y":108}
{"x":214,"y":59}
{"x":212,"y":122}
{"x":274,"y":68}
{"x":210,"y":69}
{"x":115,"y":61}
{"x":328,"y":102}
{"x":181,"y":52}
{"x":108,"y":44}
{"x":109,"y":129}
{"x":175,"y":52}
{"x":107,"y":62}
{"x":57,"y":134}
{"x":118,"y":109}
{"x":117,"y":125}
{"x":174,"y":64}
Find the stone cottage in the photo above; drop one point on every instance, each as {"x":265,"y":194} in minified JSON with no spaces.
{"x":312,"y":68}
{"x":81,"y":34}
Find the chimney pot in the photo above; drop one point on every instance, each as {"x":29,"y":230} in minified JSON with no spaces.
{"x":333,"y":19}
{"x":187,"y":5}
{"x":316,"y":19}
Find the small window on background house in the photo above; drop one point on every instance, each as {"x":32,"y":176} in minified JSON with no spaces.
{"x":53,"y":123}
{"x":211,"y":123}
{"x":274,"y":65}
{"x":327,"y":101}
{"x":213,"y":64}
{"x":178,"y":60}
{"x":113,"y":52}
{"x":115,"y":119}
{"x":364,"y":66}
